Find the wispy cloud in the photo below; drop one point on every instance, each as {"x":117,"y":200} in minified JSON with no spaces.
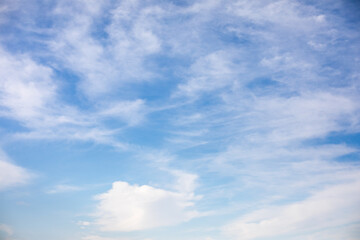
{"x":30,"y":95}
{"x":209,"y":73}
{"x":7,"y":230}
{"x":258,"y":100}
{"x":63,"y":188}
{"x":12,"y":175}
{"x":96,"y":237}
{"x":103,"y":66}
{"x":333,"y":207}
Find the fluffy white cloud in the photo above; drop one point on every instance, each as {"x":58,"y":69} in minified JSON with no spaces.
{"x":12,"y":175}
{"x":26,"y":88}
{"x":335,"y":206}
{"x":128,"y":207}
{"x":28,"y":94}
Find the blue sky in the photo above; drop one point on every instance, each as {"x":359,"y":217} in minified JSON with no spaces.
{"x":196,"y":120}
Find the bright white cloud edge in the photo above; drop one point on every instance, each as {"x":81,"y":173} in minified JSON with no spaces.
{"x":128,"y":207}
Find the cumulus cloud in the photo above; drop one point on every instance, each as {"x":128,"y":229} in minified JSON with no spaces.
{"x":128,"y":207}
{"x":333,"y":207}
{"x":12,"y":175}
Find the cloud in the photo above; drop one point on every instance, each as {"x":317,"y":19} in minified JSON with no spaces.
{"x":209,"y":73}
{"x":186,"y":182}
{"x":305,"y":116}
{"x":6,"y":229}
{"x":83,"y":223}
{"x":283,"y":13}
{"x":12,"y":175}
{"x":96,"y":237}
{"x":333,"y":207}
{"x":349,"y":232}
{"x":128,"y":207}
{"x":26,"y":89}
{"x":131,"y":112}
{"x":6,"y":232}
{"x":104,"y":64}
{"x":30,"y":95}
{"x":284,"y":120}
{"x":244,"y":93}
{"x":63,"y":188}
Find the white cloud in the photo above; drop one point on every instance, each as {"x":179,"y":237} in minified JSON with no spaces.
{"x":335,"y":206}
{"x":83,"y":223}
{"x":105,"y":65}
{"x":282,"y":13}
{"x":273,"y":174}
{"x":209,"y":73}
{"x":307,"y":116}
{"x":96,"y":237}
{"x":29,"y":94}
{"x":6,"y":229}
{"x":12,"y":175}
{"x":132,"y":112}
{"x":282,"y":120}
{"x":6,"y":232}
{"x":186,"y":182}
{"x":131,"y":207}
{"x":348,"y":232}
{"x":214,"y":47}
{"x":26,"y":88}
{"x":63,"y":188}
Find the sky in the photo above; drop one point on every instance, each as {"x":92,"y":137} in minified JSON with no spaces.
{"x":177,"y":119}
